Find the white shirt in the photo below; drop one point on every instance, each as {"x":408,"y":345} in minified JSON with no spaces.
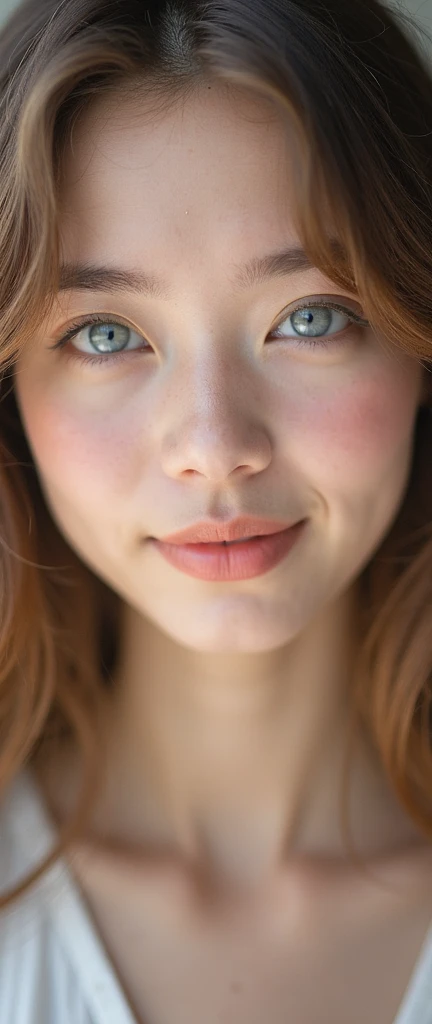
{"x":53,"y":965}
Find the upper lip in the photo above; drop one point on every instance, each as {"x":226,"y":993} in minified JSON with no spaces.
{"x":208,"y":532}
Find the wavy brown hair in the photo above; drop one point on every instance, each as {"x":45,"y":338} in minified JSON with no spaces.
{"x":351,"y":84}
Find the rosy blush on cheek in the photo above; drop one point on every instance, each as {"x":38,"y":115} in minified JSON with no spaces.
{"x":368,"y":421}
{"x":77,"y":451}
{"x":347,"y":438}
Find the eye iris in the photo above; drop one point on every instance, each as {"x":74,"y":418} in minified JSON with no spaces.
{"x":320,"y":319}
{"x":102,"y":337}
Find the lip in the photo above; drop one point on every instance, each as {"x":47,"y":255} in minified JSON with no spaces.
{"x":215,"y":562}
{"x":211,"y":532}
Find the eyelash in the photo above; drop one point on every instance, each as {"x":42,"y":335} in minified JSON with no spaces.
{"x":118,"y":357}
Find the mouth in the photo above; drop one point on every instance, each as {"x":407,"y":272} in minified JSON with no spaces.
{"x":216,"y":562}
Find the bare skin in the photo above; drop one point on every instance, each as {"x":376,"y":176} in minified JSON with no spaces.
{"x":225,"y":731}
{"x":319,"y":942}
{"x":312,"y":948}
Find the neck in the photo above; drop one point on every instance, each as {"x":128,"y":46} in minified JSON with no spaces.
{"x":231,"y":767}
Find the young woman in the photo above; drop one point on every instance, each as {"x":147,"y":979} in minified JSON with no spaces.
{"x":216,"y":514}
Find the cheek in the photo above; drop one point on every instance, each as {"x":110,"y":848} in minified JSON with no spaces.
{"x":359,"y":432}
{"x":80,"y":454}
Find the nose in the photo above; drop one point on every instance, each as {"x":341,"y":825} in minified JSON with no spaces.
{"x":216,"y":427}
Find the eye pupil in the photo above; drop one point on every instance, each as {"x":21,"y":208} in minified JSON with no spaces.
{"x":102,"y":337}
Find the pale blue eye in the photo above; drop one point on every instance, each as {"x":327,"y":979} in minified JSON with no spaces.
{"x":106,"y":337}
{"x":313,"y":321}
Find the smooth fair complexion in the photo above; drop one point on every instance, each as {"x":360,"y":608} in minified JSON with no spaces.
{"x":225,"y":735}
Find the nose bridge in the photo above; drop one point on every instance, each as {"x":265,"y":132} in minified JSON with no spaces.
{"x":212,"y":370}
{"x":210,"y":360}
{"x":214,"y":423}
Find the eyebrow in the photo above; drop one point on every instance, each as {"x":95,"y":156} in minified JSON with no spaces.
{"x":88,"y":276}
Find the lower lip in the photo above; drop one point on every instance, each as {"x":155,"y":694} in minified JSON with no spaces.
{"x":216,"y":562}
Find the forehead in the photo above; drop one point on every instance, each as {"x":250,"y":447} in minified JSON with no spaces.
{"x":221,"y":157}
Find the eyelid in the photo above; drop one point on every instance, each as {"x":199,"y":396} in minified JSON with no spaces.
{"x":68,"y":331}
{"x":336,"y":302}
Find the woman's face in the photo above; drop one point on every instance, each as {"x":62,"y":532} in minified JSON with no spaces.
{"x":209,"y":412}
